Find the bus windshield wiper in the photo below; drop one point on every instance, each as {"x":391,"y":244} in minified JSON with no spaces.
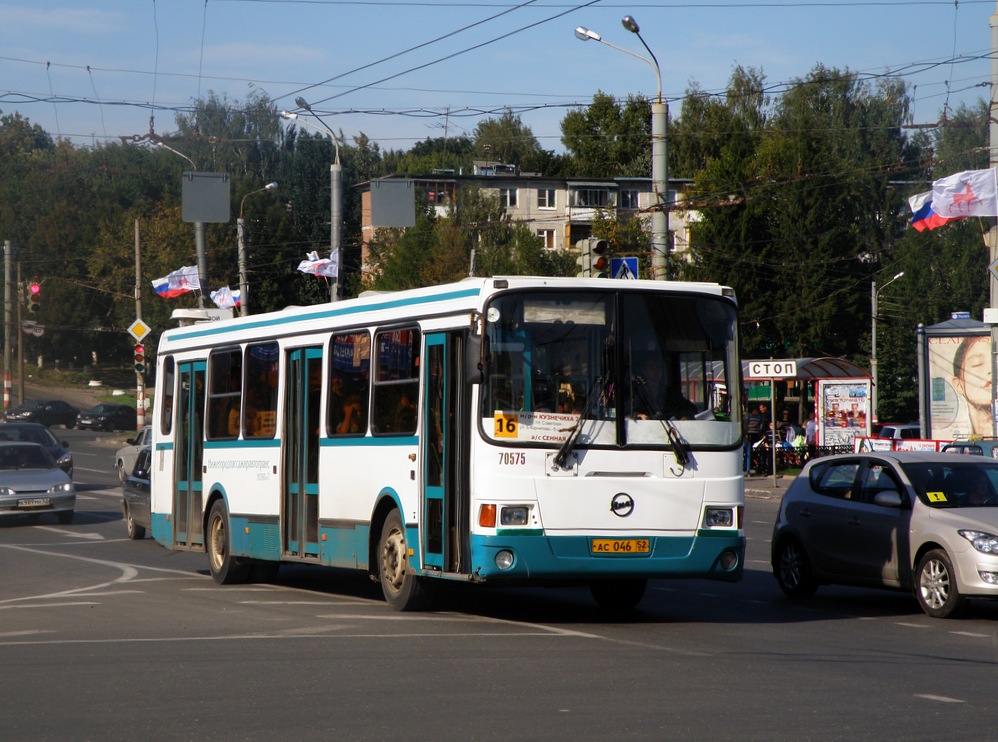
{"x":561,"y":457}
{"x":680,"y":447}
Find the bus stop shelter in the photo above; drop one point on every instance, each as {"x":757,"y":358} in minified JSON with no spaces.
{"x":837,"y":391}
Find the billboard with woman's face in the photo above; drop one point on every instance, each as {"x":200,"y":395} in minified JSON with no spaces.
{"x":960,"y":386}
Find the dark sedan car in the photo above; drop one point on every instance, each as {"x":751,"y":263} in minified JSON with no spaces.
{"x":922,"y":522}
{"x":38,"y":433}
{"x":135,"y":502}
{"x":45,"y":411}
{"x":108,"y":417}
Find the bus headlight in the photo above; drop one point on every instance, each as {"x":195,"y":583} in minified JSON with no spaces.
{"x":504,"y":559}
{"x":719,"y":518}
{"x":513,"y":516}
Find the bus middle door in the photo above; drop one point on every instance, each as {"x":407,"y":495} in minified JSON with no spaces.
{"x":444,"y":461}
{"x":188,"y":498}
{"x":301,"y":452}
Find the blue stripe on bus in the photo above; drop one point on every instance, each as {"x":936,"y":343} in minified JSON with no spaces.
{"x":283,"y":319}
{"x":370,"y":441}
{"x":245,"y":443}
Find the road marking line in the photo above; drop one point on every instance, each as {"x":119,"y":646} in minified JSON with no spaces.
{"x":73,"y":534}
{"x":941,"y":699}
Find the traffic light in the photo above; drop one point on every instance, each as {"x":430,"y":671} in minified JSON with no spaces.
{"x":592,"y":260}
{"x":583,"y":260}
{"x":34,"y":297}
{"x":140,"y":358}
{"x":598,"y":260}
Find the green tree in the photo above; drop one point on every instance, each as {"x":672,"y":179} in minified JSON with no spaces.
{"x":607,"y":140}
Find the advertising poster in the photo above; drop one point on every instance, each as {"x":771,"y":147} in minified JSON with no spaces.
{"x":959,"y":386}
{"x":843,"y":411}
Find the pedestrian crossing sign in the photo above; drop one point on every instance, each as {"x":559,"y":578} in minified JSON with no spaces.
{"x":626,"y":268}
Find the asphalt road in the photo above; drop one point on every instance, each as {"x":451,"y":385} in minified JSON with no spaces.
{"x":105,"y":638}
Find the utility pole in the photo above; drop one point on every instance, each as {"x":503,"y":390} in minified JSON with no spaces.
{"x":20,"y":343}
{"x":140,"y":384}
{"x":8,"y":321}
{"x":993,"y":232}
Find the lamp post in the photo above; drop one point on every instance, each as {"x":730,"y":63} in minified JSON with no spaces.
{"x":659,"y":150}
{"x":335,"y":193}
{"x":241,"y":237}
{"x":874,"y":298}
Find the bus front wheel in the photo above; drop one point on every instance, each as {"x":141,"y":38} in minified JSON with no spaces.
{"x":403,"y":590}
{"x":225,"y":568}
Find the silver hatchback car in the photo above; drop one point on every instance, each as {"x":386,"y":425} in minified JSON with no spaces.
{"x":925,"y":522}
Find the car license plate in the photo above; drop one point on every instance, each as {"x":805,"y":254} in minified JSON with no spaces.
{"x":34,"y":502}
{"x":620,"y":546}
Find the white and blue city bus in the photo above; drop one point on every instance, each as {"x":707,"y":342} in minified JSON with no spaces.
{"x":503,"y":430}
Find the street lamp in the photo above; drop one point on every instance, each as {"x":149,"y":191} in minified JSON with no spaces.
{"x":874,"y":298}
{"x":659,"y":151}
{"x":240,"y":236}
{"x":335,"y":194}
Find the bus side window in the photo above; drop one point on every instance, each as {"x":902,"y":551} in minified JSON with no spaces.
{"x":225,"y":383}
{"x":396,"y":383}
{"x":166,"y":417}
{"x":349,"y":390}
{"x":260,"y":419}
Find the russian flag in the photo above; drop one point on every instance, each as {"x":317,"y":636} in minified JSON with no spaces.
{"x":167,"y":290}
{"x":178,"y":282}
{"x":923,"y":217}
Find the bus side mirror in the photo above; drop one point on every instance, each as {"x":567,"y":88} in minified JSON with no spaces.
{"x":473,"y":359}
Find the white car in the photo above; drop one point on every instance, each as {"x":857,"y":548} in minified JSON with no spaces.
{"x":124,"y":459}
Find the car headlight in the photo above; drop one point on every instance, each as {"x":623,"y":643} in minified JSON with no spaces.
{"x":66,"y":458}
{"x":61,"y":489}
{"x":6,"y":492}
{"x":986,"y":543}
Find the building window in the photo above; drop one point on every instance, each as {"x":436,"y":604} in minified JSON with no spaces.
{"x":592,"y":197}
{"x":507,"y":197}
{"x":547,"y":238}
{"x":629,"y":200}
{"x":545,"y":198}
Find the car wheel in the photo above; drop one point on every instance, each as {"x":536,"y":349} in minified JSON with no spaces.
{"x":403,"y":590}
{"x":935,"y":586}
{"x":793,"y":570}
{"x":70,"y":424}
{"x":225,"y":568}
{"x":122,"y":474}
{"x":618,"y":595}
{"x":135,"y":531}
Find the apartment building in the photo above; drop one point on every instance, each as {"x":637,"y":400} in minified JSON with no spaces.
{"x":560,"y":211}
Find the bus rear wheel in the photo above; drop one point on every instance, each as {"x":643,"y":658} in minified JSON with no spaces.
{"x":403,"y":590}
{"x":225,"y":568}
{"x":618,"y":595}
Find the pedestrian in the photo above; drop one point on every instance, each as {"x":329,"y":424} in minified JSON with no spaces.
{"x":753,"y":428}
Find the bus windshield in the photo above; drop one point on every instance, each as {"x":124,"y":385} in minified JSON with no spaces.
{"x":632,"y":365}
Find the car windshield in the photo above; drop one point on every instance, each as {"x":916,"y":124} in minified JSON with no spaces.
{"x":25,"y":457}
{"x":962,"y":483}
{"x":101,"y":409}
{"x":29,"y":435}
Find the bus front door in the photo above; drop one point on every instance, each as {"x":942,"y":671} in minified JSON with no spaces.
{"x":301,"y":453}
{"x":188,"y":527}
{"x":445,"y":461}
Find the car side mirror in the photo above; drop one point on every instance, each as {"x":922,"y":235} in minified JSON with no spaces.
{"x":131,"y":441}
{"x":888,"y":499}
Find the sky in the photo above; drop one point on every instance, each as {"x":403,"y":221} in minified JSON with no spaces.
{"x":402,"y":71}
